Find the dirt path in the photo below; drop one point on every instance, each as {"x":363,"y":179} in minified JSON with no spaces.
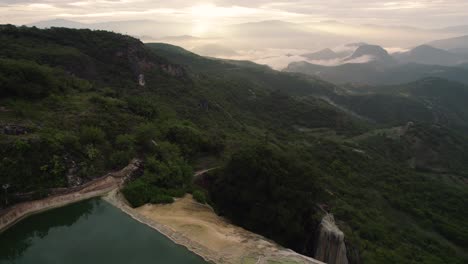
{"x":201,"y":172}
{"x":98,"y":187}
{"x":199,"y":229}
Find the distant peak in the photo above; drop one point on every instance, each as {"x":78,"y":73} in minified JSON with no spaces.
{"x":374,"y":50}
{"x":327,"y":50}
{"x":325,"y":54}
{"x":425,"y":46}
{"x":356,"y":44}
{"x":58,"y":22}
{"x":377,"y":53}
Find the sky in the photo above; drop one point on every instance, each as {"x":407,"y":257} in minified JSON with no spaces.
{"x":417,"y":13}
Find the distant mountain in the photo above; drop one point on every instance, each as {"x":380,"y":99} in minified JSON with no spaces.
{"x":464,"y":65}
{"x":325,"y":54}
{"x":356,"y":44}
{"x":445,"y":99}
{"x":346,"y":73}
{"x":264,"y":35}
{"x":215,"y":50}
{"x":426,"y":54}
{"x":179,"y":38}
{"x":461,"y":29}
{"x":456,"y":45}
{"x":329,"y":54}
{"x":151,"y":29}
{"x":373,"y":53}
{"x":59,"y":23}
{"x":368,"y":73}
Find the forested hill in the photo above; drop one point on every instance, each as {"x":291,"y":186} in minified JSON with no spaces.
{"x":75,"y":104}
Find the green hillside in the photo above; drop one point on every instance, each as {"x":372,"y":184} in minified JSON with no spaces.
{"x":73,"y":107}
{"x":372,"y":74}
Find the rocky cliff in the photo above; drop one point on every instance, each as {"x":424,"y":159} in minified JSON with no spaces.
{"x":330,"y":243}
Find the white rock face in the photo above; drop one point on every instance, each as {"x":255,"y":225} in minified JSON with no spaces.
{"x":141,"y":80}
{"x":331,"y":247}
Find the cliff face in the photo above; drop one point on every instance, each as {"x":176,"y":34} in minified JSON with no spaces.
{"x":330,"y":243}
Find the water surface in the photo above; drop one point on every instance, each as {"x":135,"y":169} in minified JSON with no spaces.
{"x":89,"y":232}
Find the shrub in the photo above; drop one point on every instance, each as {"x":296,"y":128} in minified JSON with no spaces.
{"x":92,"y":135}
{"x":121,"y":158}
{"x":26,"y":79}
{"x":136,"y":193}
{"x":125,"y":142}
{"x":168,"y":174}
{"x":160,"y":198}
{"x":199,"y":196}
{"x":143,"y":106}
{"x":189,"y":139}
{"x":144,"y":135}
{"x":139,"y":192}
{"x":166,"y":151}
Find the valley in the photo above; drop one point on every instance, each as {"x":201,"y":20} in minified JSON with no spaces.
{"x":387,"y":160}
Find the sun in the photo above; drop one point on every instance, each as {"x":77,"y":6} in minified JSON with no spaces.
{"x":200,"y":27}
{"x":203,"y":15}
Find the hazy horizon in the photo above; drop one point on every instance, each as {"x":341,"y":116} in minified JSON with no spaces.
{"x":266,"y":32}
{"x":443,"y":13}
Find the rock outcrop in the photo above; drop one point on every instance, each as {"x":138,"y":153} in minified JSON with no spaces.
{"x":14,"y":130}
{"x":141,"y":80}
{"x":330,"y":245}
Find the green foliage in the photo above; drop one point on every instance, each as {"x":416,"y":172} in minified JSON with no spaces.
{"x":27,"y":79}
{"x":125,"y":142}
{"x":83,"y":106}
{"x":143,"y":106}
{"x":370,"y":74}
{"x":107,"y":103}
{"x":145,"y":136}
{"x":168,"y":174}
{"x":121,"y":158}
{"x":92,"y":135}
{"x":166,"y":151}
{"x":25,"y":164}
{"x":188,"y":138}
{"x":191,"y":140}
{"x":273,"y":193}
{"x":199,"y":196}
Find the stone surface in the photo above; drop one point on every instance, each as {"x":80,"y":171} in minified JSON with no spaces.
{"x":330,"y":247}
{"x":14,"y":130}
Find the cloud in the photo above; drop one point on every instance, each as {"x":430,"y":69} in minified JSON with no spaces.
{"x":409,"y":12}
{"x":267,"y":32}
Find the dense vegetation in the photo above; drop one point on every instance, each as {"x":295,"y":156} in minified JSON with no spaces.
{"x":392,"y":170}
{"x":369,"y":74}
{"x":272,"y":192}
{"x":390,"y":214}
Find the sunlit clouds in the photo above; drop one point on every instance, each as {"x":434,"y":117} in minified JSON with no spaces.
{"x":425,"y":13}
{"x":271,"y":32}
